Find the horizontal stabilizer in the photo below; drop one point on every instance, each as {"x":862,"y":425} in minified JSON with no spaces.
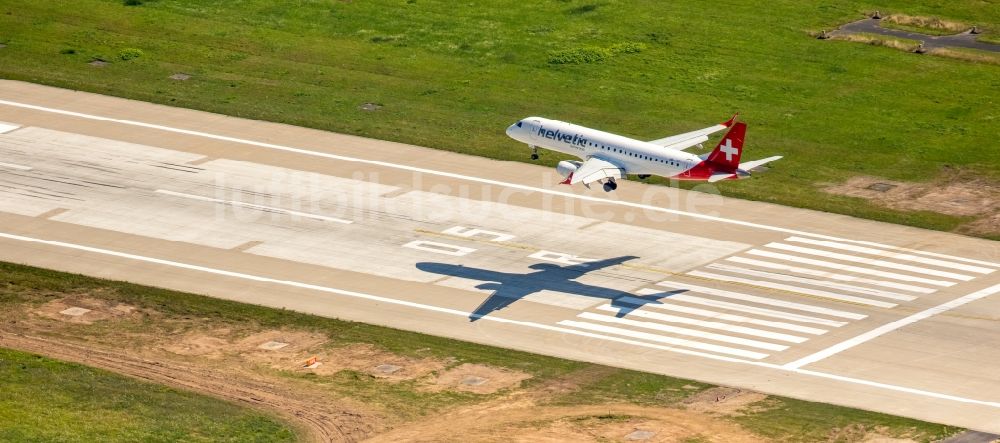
{"x":755,"y":163}
{"x":720,"y":176}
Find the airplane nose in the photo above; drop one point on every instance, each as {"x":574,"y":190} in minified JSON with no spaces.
{"x":510,"y":131}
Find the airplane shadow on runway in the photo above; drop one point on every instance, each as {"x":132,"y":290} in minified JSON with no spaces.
{"x":509,"y":287}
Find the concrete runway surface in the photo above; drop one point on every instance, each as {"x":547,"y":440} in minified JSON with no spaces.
{"x":785,"y":301}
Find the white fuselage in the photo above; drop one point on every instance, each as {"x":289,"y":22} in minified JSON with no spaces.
{"x":636,"y":156}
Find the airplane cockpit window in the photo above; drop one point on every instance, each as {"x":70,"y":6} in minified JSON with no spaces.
{"x":518,"y":124}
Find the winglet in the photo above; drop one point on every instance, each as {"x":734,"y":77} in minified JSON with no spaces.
{"x":731,"y":120}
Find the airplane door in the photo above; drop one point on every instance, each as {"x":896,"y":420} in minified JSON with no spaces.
{"x":532,"y":127}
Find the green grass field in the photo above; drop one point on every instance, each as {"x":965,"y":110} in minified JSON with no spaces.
{"x":48,"y":400}
{"x":453,"y":76}
{"x":780,"y":418}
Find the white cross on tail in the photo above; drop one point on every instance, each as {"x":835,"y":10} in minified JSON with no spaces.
{"x":729,"y":150}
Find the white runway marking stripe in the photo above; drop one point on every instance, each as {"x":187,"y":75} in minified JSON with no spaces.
{"x":884,"y":329}
{"x":13,"y":166}
{"x":682,"y":331}
{"x":708,"y":324}
{"x":830,"y":275}
{"x":859,"y":270}
{"x":869,"y":261}
{"x":801,"y":290}
{"x":719,"y":315}
{"x":763,"y":300}
{"x":465,"y":314}
{"x":738,"y":307}
{"x":662,"y":339}
{"x":892,"y":255}
{"x":253,"y":206}
{"x":811,"y":281}
{"x":460,"y":177}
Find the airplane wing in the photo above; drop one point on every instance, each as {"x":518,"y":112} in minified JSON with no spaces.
{"x":689,"y":139}
{"x":594,"y":169}
{"x":746,"y":166}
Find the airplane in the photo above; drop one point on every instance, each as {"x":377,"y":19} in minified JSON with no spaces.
{"x":607,"y":156}
{"x":509,"y":287}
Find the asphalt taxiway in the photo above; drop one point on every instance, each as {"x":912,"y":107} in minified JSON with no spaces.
{"x":786,"y":301}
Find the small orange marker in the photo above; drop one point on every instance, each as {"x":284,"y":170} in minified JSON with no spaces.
{"x":310,"y":362}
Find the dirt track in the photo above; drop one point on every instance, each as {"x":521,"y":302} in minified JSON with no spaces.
{"x":320,"y":422}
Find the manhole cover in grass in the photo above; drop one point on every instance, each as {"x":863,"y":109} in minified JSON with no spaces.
{"x":880,"y":187}
{"x":180,"y":76}
{"x":273,"y":345}
{"x":639,"y":435}
{"x":472,"y":380}
{"x":370,"y":107}
{"x":98,"y":63}
{"x":74,"y":311}
{"x":387,"y":368}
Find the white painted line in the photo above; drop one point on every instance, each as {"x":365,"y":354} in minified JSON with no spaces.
{"x":797,"y":289}
{"x":440,"y":248}
{"x":719,"y":315}
{"x":662,"y":339}
{"x":884,"y":329}
{"x":869,"y":261}
{"x":253,"y":206}
{"x":892,"y":255}
{"x":708,"y":324}
{"x":7,"y":127}
{"x":859,"y":270}
{"x":762,"y":300}
{"x":830,"y":275}
{"x":13,"y":166}
{"x":682,"y":331}
{"x":734,"y":307}
{"x":459,"y":176}
{"x":812,"y":281}
{"x":465,"y":314}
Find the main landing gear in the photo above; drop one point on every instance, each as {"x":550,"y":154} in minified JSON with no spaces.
{"x":534,"y":152}
{"x":610,"y":185}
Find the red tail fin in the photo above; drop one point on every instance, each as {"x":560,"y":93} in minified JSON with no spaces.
{"x":726,"y":155}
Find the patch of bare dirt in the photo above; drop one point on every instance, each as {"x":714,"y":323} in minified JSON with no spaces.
{"x":503,"y":421}
{"x":358,"y":357}
{"x":212,"y":344}
{"x":475,"y":378}
{"x":722,"y":400}
{"x":952,"y":195}
{"x":96,"y":310}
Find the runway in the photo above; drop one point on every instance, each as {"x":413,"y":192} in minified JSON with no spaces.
{"x":786,"y":301}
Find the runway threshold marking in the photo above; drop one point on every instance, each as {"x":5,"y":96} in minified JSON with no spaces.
{"x":552,"y":328}
{"x":478,"y":180}
{"x":884,"y":329}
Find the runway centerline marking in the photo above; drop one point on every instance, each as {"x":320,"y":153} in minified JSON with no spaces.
{"x":465,"y":314}
{"x":471,"y":178}
{"x":253,"y":206}
{"x":884,"y":329}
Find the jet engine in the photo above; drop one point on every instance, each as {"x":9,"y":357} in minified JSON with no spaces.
{"x":566,"y":167}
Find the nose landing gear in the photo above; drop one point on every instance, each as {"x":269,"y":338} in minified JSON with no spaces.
{"x":534,"y":152}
